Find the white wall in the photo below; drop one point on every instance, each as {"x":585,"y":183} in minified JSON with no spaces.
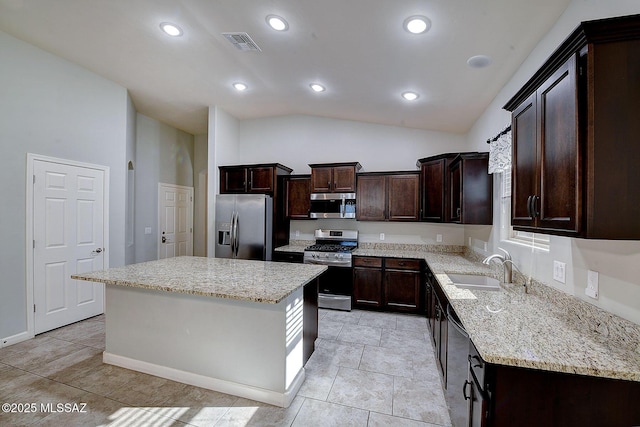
{"x":616,"y":261}
{"x":51,"y":107}
{"x":130,"y":248}
{"x":200,"y":174}
{"x":164,"y":154}
{"x":222,"y":149}
{"x":295,"y":141}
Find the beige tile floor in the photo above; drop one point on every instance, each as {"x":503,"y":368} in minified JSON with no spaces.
{"x":369,"y":369}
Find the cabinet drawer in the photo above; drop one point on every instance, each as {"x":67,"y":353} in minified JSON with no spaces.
{"x":402,"y":264}
{"x":367,"y":262}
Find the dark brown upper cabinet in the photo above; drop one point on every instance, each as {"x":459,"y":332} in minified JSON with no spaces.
{"x":575,"y":134}
{"x":434,"y":177}
{"x":258,"y":179}
{"x":298,"y":202}
{"x":456,"y":187}
{"x":385,"y":196}
{"x":334,"y":177}
{"x":470,"y":189}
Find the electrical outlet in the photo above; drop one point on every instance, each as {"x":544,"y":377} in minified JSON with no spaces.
{"x":381,"y":236}
{"x":438,"y":237}
{"x":147,"y":230}
{"x":297,"y":233}
{"x":592,"y":284}
{"x":484,"y":244}
{"x":559,"y":271}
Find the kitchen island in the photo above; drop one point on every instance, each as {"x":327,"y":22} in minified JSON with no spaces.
{"x":233,"y":326}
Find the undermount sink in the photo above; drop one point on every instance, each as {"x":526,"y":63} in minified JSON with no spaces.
{"x":474,"y":281}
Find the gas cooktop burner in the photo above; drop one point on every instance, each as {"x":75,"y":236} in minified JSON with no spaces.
{"x":330,"y":247}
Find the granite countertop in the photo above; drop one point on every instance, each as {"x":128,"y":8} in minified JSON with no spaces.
{"x":255,"y":281}
{"x":544,"y":329}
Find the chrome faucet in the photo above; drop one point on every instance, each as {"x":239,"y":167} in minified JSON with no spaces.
{"x":507,"y":264}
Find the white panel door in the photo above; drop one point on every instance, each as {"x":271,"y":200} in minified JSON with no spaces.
{"x":175,"y":211}
{"x":68,"y":230}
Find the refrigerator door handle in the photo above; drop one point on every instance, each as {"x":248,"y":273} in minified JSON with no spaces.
{"x":232,"y":236}
{"x":236,"y":240}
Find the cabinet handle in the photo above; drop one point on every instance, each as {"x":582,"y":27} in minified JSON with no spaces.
{"x":529,"y":206}
{"x":458,"y":212}
{"x":464,"y":389}
{"x":534,"y":206}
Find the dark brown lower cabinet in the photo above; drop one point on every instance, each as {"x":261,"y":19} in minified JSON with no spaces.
{"x":402,"y":284}
{"x":390,"y":284}
{"x":309,"y":319}
{"x":531,"y":398}
{"x":367,"y":282}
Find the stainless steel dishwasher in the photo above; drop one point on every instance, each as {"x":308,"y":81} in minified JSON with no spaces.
{"x":457,"y":370}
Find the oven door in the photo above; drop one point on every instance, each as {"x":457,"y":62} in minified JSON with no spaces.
{"x":335,"y":288}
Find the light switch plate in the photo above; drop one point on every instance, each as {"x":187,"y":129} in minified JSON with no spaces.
{"x":381,"y":236}
{"x":592,"y":284}
{"x":559,"y":273}
{"x":438,"y":237}
{"x":147,"y":230}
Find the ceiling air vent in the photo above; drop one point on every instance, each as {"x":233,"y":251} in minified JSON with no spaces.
{"x":242,"y":42}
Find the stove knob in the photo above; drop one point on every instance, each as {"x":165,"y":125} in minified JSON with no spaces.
{"x":326,"y":255}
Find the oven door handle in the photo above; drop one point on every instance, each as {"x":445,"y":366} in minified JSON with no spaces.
{"x":328,"y":263}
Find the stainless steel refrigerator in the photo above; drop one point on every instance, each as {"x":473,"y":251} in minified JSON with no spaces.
{"x":244,"y":226}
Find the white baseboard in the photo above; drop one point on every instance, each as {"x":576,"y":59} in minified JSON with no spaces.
{"x":254,"y":393}
{"x":15,"y":339}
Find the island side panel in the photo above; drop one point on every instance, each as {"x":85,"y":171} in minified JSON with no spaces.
{"x":255,"y":345}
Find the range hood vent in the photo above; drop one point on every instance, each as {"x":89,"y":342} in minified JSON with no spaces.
{"x":242,"y":42}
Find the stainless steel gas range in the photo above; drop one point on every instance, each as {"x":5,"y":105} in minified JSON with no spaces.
{"x":333,"y":248}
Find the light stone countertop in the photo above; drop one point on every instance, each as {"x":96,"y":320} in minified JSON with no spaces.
{"x":255,"y":281}
{"x":534,"y":330}
{"x":544,"y":329}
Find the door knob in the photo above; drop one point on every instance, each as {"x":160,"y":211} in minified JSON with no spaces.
{"x":96,"y":251}
{"x":164,"y":239}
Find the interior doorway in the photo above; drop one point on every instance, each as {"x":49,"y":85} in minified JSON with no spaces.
{"x":175,"y":220}
{"x":67,"y":219}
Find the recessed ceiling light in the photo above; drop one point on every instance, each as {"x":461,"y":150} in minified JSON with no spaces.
{"x":316,"y":87}
{"x":417,"y":24}
{"x":479,"y":61}
{"x":410,"y":96}
{"x":171,"y":29}
{"x":240,"y":86}
{"x":277,"y":23}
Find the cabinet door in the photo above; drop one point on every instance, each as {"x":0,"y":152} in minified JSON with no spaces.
{"x":404,"y":197}
{"x":455,"y":197}
{"x":371,"y":198}
{"x":560,"y":171}
{"x":298,"y":198}
{"x":367,"y":287}
{"x":344,"y":179}
{"x":321,"y":180}
{"x":433,"y":190}
{"x":260,"y":180}
{"x":402,"y":290}
{"x":233,"y":180}
{"x":524,"y":172}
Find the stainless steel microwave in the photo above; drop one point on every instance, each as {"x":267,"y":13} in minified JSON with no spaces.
{"x":333,"y":205}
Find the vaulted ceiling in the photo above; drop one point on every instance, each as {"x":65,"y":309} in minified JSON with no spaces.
{"x":357,"y":49}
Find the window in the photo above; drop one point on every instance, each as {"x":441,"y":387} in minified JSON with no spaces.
{"x":532,"y":240}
